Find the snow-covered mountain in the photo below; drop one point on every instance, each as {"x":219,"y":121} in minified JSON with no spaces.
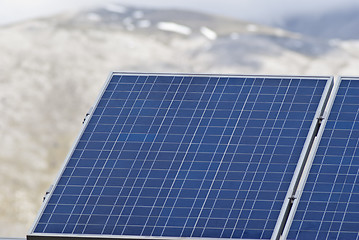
{"x":52,"y":69}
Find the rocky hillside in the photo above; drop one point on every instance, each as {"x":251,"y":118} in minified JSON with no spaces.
{"x":52,"y":69}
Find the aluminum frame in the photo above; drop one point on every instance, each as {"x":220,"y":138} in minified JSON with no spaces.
{"x":305,"y":162}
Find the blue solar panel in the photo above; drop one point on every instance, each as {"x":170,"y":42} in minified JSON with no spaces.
{"x":329,"y":206}
{"x":184,"y":156}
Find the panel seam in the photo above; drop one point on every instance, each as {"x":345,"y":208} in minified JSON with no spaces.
{"x":304,"y":164}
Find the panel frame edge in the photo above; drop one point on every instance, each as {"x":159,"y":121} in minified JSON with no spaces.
{"x":31,"y":233}
{"x":294,"y":192}
{"x":331,"y":100}
{"x":111,"y":237}
{"x":303,"y":180}
{"x":184,"y":74}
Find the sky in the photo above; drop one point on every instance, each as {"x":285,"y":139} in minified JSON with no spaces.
{"x":267,"y":11}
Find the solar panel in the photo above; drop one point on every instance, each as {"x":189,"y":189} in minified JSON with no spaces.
{"x":183,"y":156}
{"x":329,"y":206}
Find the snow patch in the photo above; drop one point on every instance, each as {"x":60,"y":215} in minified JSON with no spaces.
{"x":129,"y":25}
{"x":280,"y":32}
{"x":234,"y":36}
{"x":115,"y":8}
{"x":127,"y":21}
{"x":93,"y":17}
{"x":174,"y":27}
{"x":143,"y":23}
{"x":137,"y":14}
{"x":208,"y":33}
{"x":252,"y":28}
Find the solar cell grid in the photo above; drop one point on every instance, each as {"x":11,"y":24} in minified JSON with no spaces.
{"x":184,"y":156}
{"x":329,"y":206}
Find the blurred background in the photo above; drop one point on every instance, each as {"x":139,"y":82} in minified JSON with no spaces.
{"x":56,"y":55}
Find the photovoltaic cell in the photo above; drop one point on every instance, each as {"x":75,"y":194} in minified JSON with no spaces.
{"x":329,"y":206}
{"x":184,"y":156}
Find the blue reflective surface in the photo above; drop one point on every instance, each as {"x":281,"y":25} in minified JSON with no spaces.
{"x":185,"y":156}
{"x":329,"y":206}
